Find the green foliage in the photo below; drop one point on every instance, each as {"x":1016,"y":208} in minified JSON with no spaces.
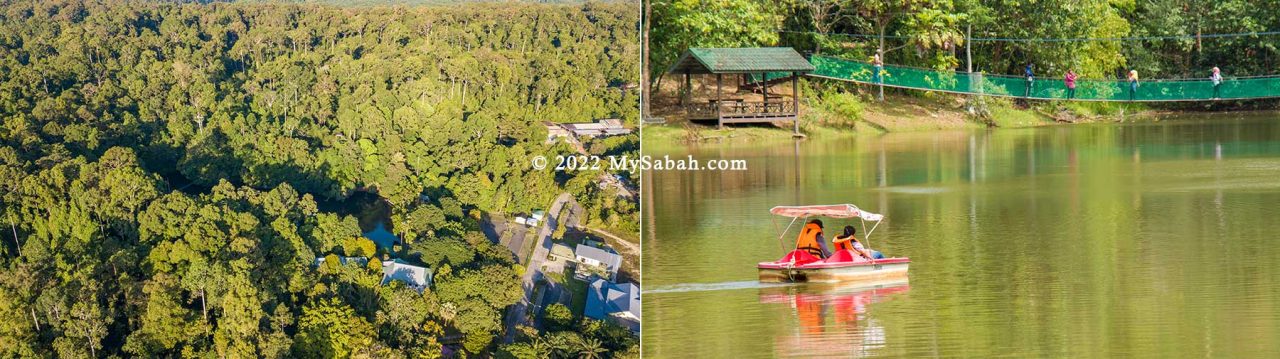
{"x":478,"y":295}
{"x":330,"y":230}
{"x":437,"y":251}
{"x":841,"y":109}
{"x":591,"y":339}
{"x":1237,"y":56}
{"x":680,"y":24}
{"x":932,"y":33}
{"x":359,"y":247}
{"x":448,"y":98}
{"x":163,"y":167}
{"x":558,"y":317}
{"x":330,"y":329}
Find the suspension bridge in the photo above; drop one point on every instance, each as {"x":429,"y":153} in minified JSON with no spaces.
{"x":1044,"y":88}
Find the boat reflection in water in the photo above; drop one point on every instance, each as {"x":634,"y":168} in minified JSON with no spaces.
{"x":833,"y":320}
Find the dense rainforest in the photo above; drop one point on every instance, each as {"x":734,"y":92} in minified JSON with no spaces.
{"x":932,"y":33}
{"x":164,"y":169}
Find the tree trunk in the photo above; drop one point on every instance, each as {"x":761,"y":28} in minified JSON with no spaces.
{"x":657,"y":84}
{"x":88,"y":337}
{"x":14,"y":228}
{"x":968,"y":47}
{"x":968,"y":60}
{"x":644,"y":63}
{"x":204,"y":308}
{"x":795,"y":100}
{"x":880,"y":51}
{"x":35,"y":319}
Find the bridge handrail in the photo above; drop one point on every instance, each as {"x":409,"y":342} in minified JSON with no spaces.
{"x":1046,"y":88}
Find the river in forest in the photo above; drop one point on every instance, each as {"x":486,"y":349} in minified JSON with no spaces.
{"x":1150,"y":239}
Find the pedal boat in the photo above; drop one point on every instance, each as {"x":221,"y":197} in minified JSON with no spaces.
{"x":843,"y":265}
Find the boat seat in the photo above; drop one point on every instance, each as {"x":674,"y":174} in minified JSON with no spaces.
{"x":800,"y":257}
{"x":845,"y":256}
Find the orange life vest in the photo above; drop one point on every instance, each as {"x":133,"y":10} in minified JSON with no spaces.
{"x":846,"y":243}
{"x":808,"y":240}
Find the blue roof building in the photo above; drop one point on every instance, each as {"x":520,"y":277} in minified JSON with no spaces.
{"x":616,"y":303}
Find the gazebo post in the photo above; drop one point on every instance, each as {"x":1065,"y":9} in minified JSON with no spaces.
{"x":764,"y":87}
{"x":688,"y":90}
{"x":718,"y":103}
{"x":795,"y":99}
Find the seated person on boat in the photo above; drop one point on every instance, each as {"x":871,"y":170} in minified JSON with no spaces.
{"x":847,"y":241}
{"x":811,"y":240}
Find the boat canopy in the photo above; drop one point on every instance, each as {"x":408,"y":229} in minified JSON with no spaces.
{"x":830,"y":211}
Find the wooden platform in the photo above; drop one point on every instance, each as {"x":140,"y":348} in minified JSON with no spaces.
{"x":742,"y":111}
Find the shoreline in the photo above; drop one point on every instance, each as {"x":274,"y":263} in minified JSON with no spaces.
{"x":910,"y":114}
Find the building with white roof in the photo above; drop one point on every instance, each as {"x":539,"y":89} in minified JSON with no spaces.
{"x":360,"y":261}
{"x":599,"y":258}
{"x":599,"y":128}
{"x":415,"y":277}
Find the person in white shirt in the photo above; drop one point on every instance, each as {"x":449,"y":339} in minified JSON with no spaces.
{"x":1216,"y":77}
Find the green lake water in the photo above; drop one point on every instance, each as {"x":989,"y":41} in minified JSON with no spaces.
{"x":1158,"y":239}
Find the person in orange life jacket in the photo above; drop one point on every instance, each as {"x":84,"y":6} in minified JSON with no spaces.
{"x":849,"y":242}
{"x":811,"y":240}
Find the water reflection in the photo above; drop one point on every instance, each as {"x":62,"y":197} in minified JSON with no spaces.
{"x":831,"y":320}
{"x":1077,"y":241}
{"x":381,"y":236}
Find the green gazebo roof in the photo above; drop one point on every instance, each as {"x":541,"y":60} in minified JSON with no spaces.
{"x":740,"y":60}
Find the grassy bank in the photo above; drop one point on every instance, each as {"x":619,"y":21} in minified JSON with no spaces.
{"x":844,"y":112}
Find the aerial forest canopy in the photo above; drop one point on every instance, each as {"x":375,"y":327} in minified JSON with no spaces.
{"x":163,"y":169}
{"x":932,"y":33}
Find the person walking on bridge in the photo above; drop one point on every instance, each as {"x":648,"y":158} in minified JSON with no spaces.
{"x":877,"y":65}
{"x":1031,"y":78}
{"x":1216,"y":77}
{"x":1070,"y":80}
{"x":1133,"y":84}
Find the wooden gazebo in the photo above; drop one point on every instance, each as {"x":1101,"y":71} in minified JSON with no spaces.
{"x":756,"y":67}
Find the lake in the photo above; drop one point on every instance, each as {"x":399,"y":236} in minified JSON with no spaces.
{"x":372,"y":212}
{"x":1100,"y":240}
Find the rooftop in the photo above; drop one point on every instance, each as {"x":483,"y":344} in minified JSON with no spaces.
{"x":415,"y":277}
{"x":740,"y":60}
{"x":611,"y":260}
{"x":561,"y":250}
{"x":605,"y":127}
{"x":362,"y":261}
{"x":621,"y":301}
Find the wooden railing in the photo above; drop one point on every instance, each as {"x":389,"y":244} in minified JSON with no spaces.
{"x":730,"y":109}
{"x":755,"y":109}
{"x":701,"y":111}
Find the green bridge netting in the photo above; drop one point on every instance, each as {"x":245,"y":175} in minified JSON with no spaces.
{"x":1045,"y":87}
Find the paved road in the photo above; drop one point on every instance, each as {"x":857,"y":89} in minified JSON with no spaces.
{"x":533,"y":270}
